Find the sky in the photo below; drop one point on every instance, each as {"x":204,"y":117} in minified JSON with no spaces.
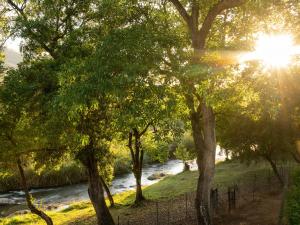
{"x":12,"y":52}
{"x":13,"y":44}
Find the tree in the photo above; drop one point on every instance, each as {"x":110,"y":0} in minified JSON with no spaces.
{"x":268,"y":123}
{"x":143,"y":100}
{"x":199,"y":20}
{"x":19,"y":137}
{"x":60,"y":31}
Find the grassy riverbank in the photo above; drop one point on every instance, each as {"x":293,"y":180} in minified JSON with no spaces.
{"x":227,"y":173}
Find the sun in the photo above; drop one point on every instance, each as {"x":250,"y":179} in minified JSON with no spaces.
{"x":274,"y":51}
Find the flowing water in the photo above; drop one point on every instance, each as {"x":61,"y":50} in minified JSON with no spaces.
{"x":61,"y":196}
{"x":78,"y":192}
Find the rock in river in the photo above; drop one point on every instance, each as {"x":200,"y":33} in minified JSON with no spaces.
{"x":156,"y":176}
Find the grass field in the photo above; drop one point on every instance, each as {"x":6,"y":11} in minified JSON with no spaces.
{"x":227,"y":173}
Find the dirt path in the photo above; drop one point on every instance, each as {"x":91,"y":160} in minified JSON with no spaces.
{"x":264,"y":210}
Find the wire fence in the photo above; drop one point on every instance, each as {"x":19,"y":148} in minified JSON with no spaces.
{"x":224,"y":200}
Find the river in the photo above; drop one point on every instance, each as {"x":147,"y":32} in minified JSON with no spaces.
{"x":62,"y":196}
{"x":78,"y":192}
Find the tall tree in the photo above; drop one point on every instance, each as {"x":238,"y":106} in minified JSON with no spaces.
{"x":133,"y":75}
{"x":19,"y":137}
{"x":61,"y":31}
{"x":199,"y":18}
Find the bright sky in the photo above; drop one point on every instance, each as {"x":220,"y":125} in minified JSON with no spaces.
{"x":13,"y":44}
{"x":12,"y":52}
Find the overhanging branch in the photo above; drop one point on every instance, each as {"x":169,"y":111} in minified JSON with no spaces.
{"x":182,"y":11}
{"x":213,"y":13}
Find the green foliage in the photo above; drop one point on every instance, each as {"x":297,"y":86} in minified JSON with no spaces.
{"x":292,"y":208}
{"x":186,"y":148}
{"x":156,"y":150}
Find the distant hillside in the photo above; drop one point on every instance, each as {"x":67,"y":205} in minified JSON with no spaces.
{"x":12,"y":58}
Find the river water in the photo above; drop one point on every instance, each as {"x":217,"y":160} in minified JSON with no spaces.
{"x":61,"y":196}
{"x":78,"y":192}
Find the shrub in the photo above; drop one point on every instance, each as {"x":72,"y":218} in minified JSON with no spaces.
{"x":293,"y":201}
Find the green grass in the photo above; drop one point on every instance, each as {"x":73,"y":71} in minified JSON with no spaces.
{"x":227,"y":173}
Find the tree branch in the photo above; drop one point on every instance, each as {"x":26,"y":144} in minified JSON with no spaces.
{"x":296,"y":156}
{"x":212,"y":14}
{"x":195,"y":14}
{"x":130,"y":145}
{"x":182,"y":12}
{"x":145,"y":129}
{"x":20,"y":11}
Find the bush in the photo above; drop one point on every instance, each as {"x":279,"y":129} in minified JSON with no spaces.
{"x":293,"y":201}
{"x":66,"y":173}
{"x":186,"y":148}
{"x":122,"y":165}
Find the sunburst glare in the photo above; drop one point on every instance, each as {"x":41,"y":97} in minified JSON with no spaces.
{"x":275,"y":51}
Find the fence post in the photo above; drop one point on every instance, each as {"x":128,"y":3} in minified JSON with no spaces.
{"x":168,"y":214}
{"x":269,"y":177}
{"x":229,"y":200}
{"x":234,"y":199}
{"x":156,"y":213}
{"x":186,"y":206}
{"x":253,"y":188}
{"x":217,"y":198}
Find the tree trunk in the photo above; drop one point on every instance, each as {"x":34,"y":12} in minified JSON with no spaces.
{"x":296,"y":156}
{"x":30,"y":205}
{"x":203,"y":127}
{"x":203,"y":133}
{"x":206,"y":166}
{"x":137,"y":156}
{"x":109,"y":195}
{"x":139,"y":193}
{"x":275,"y":170}
{"x":95,"y":190}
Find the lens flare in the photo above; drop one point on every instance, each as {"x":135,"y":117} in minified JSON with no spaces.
{"x":275,"y":51}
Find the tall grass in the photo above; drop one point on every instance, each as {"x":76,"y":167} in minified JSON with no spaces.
{"x":49,"y":176}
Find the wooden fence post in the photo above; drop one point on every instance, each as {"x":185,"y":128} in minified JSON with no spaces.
{"x":186,"y":206}
{"x":229,"y":199}
{"x":168,"y":214}
{"x":156,"y":213}
{"x":253,"y":187}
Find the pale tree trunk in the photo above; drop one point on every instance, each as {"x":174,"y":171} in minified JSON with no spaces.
{"x":30,"y":205}
{"x":205,"y":142}
{"x":109,"y":195}
{"x":95,"y":190}
{"x":207,"y":163}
